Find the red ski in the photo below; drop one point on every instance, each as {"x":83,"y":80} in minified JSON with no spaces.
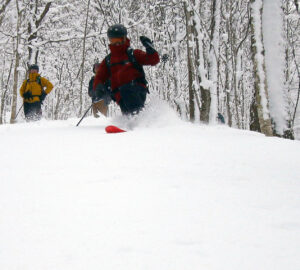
{"x":113,"y":129}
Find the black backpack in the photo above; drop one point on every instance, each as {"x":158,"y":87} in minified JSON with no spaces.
{"x":131,"y":59}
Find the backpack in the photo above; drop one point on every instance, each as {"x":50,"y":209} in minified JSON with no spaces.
{"x":131,"y":59}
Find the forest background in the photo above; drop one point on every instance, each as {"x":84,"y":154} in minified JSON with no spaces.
{"x":239,"y":58}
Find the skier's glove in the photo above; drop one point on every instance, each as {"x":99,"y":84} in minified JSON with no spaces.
{"x":99,"y":93}
{"x":43,"y":96}
{"x":148,"y":44}
{"x":27,"y":95}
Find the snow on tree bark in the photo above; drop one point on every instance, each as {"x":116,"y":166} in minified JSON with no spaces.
{"x":17,"y":63}
{"x":261,"y":114}
{"x":274,"y":56}
{"x":213,"y":59}
{"x":190,"y":51}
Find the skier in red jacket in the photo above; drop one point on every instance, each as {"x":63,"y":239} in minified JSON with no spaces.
{"x":121,"y":73}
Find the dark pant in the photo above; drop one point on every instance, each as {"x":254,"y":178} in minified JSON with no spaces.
{"x":133,"y":97}
{"x":32,"y":111}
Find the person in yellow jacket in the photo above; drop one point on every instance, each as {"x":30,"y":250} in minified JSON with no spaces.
{"x":33,"y":93}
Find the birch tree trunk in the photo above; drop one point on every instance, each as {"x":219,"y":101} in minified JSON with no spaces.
{"x":213,"y":58}
{"x":191,"y":73}
{"x":228,"y":98}
{"x":260,"y":108}
{"x":17,"y":63}
{"x":3,"y":97}
{"x":83,"y":57}
{"x":275,"y":59}
{"x":201,"y":55}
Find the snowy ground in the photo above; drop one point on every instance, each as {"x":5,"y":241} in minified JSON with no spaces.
{"x":167,"y":195}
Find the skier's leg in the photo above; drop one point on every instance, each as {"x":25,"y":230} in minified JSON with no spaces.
{"x":133,"y":97}
{"x":37,"y":111}
{"x":29,"y":111}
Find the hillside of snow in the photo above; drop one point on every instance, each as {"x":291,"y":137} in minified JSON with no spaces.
{"x":166,"y":195}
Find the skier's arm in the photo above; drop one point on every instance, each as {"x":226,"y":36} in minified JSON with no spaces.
{"x":47,"y":84}
{"x":144,"y":58}
{"x":151,"y":56}
{"x":22,"y":89}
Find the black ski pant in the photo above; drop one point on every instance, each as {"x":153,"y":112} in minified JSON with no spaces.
{"x":33,"y":111}
{"x":133,"y":97}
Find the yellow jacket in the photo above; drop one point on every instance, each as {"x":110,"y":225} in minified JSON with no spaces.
{"x":34,"y":87}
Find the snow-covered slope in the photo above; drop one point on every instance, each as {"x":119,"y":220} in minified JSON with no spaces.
{"x":165,"y":195}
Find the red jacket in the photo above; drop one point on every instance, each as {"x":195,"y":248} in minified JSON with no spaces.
{"x":122,"y":74}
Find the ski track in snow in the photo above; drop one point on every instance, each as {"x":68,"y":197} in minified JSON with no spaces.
{"x":165,"y":195}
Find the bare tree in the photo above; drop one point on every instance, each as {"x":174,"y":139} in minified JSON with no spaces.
{"x":33,"y":27}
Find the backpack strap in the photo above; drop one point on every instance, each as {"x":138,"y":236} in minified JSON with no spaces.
{"x":108,"y":65}
{"x":132,"y":59}
{"x":39,"y":81}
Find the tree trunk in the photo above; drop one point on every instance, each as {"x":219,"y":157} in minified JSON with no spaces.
{"x":213,"y":58}
{"x":204,"y":105}
{"x":260,"y":116}
{"x":3,"y":98}
{"x":83,"y":58}
{"x":275,"y":61}
{"x":191,"y":72}
{"x":296,"y":5}
{"x":228,"y":99}
{"x":16,"y":72}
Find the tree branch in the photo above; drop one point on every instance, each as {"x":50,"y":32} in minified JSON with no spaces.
{"x":297,"y":5}
{"x":2,"y":10}
{"x":46,"y":9}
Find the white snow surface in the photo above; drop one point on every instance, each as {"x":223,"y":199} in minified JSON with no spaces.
{"x":167,"y":194}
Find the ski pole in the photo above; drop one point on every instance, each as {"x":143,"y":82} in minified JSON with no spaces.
{"x":19,"y":111}
{"x":88,"y":111}
{"x":84,"y":115}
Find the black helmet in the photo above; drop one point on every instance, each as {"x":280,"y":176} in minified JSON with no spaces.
{"x":117,"y":30}
{"x":95,"y":66}
{"x":34,"y":66}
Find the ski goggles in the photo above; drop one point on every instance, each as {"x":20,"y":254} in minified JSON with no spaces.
{"x":117,"y":40}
